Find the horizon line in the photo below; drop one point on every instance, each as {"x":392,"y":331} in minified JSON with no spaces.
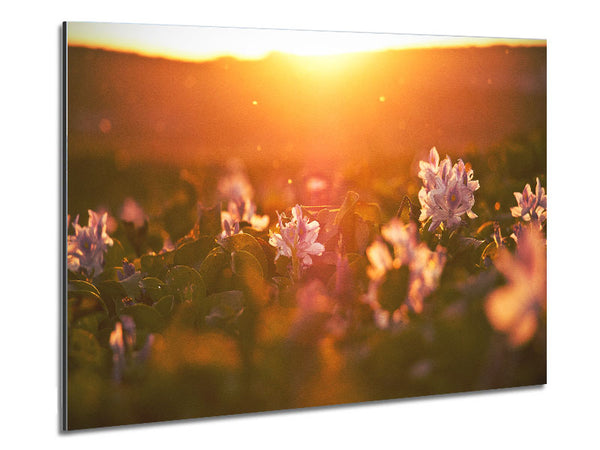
{"x":272,"y":53}
{"x":198,"y":44}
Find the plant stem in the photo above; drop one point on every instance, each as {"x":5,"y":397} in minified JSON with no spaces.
{"x":295,"y":266}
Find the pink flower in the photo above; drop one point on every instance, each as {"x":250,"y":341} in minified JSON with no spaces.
{"x":381,"y":261}
{"x":133,"y":212}
{"x":424,"y":270}
{"x":515,"y":308}
{"x":403,"y":239}
{"x":297,"y":238}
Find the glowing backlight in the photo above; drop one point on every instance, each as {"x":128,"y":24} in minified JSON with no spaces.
{"x":202,"y":43}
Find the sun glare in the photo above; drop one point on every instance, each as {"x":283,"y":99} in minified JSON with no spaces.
{"x":204,"y":43}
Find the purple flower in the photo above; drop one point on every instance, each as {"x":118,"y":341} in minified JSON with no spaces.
{"x":517,"y":232}
{"x":229,"y":228}
{"x":127,"y":270}
{"x":122,"y":341}
{"x":85,"y":249}
{"x":530,"y":206}
{"x":447,"y":192}
{"x":429,"y":170}
{"x":446,"y":203}
{"x":497,"y":235}
{"x":242,"y":211}
{"x":237,"y":190}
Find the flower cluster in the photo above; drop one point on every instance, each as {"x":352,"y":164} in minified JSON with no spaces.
{"x":297,"y":238}
{"x":240,"y":208}
{"x":86,"y":248}
{"x":447,"y":191}
{"x":413,"y":270}
{"x":530,"y":206}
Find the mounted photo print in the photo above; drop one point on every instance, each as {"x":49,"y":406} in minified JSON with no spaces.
{"x":261,"y":220}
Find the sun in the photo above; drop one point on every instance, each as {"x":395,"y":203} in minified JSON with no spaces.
{"x":192,"y":43}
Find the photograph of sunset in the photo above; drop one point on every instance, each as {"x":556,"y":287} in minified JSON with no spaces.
{"x":270,"y":219}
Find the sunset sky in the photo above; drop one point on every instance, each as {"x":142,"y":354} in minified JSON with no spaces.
{"x":201,"y":43}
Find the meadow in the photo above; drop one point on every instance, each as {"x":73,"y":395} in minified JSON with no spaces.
{"x":250,"y":236}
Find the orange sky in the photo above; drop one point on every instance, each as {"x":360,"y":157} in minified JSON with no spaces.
{"x":200,"y":43}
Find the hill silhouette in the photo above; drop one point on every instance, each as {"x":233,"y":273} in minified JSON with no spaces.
{"x":288,"y":107}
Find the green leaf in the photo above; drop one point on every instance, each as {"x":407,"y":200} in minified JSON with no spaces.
{"x":245,"y":242}
{"x":82,"y":304}
{"x":132,"y":285}
{"x":86,"y":299}
{"x":254,"y":233}
{"x":246,"y":266}
{"x":347,"y":206}
{"x":80,"y":286}
{"x":156,"y":265}
{"x":90,"y":322}
{"x":270,"y":253}
{"x":209,"y":220}
{"x":186,"y":284}
{"x":75,"y":276}
{"x":466,"y":249}
{"x":112,"y":292}
{"x":212,"y":267}
{"x":84,"y":350}
{"x":356,"y":233}
{"x":249,"y":274}
{"x":144,"y":316}
{"x":369,"y":212}
{"x":326,"y":218}
{"x":109,"y":273}
{"x":114,"y":255}
{"x":154,"y":287}
{"x":193,"y":253}
{"x":165,"y":305}
{"x":227,"y":307}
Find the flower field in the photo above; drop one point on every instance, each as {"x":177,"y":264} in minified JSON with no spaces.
{"x":257,"y":284}
{"x":315,"y":305}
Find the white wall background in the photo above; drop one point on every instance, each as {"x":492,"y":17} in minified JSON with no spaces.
{"x":565,"y":412}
